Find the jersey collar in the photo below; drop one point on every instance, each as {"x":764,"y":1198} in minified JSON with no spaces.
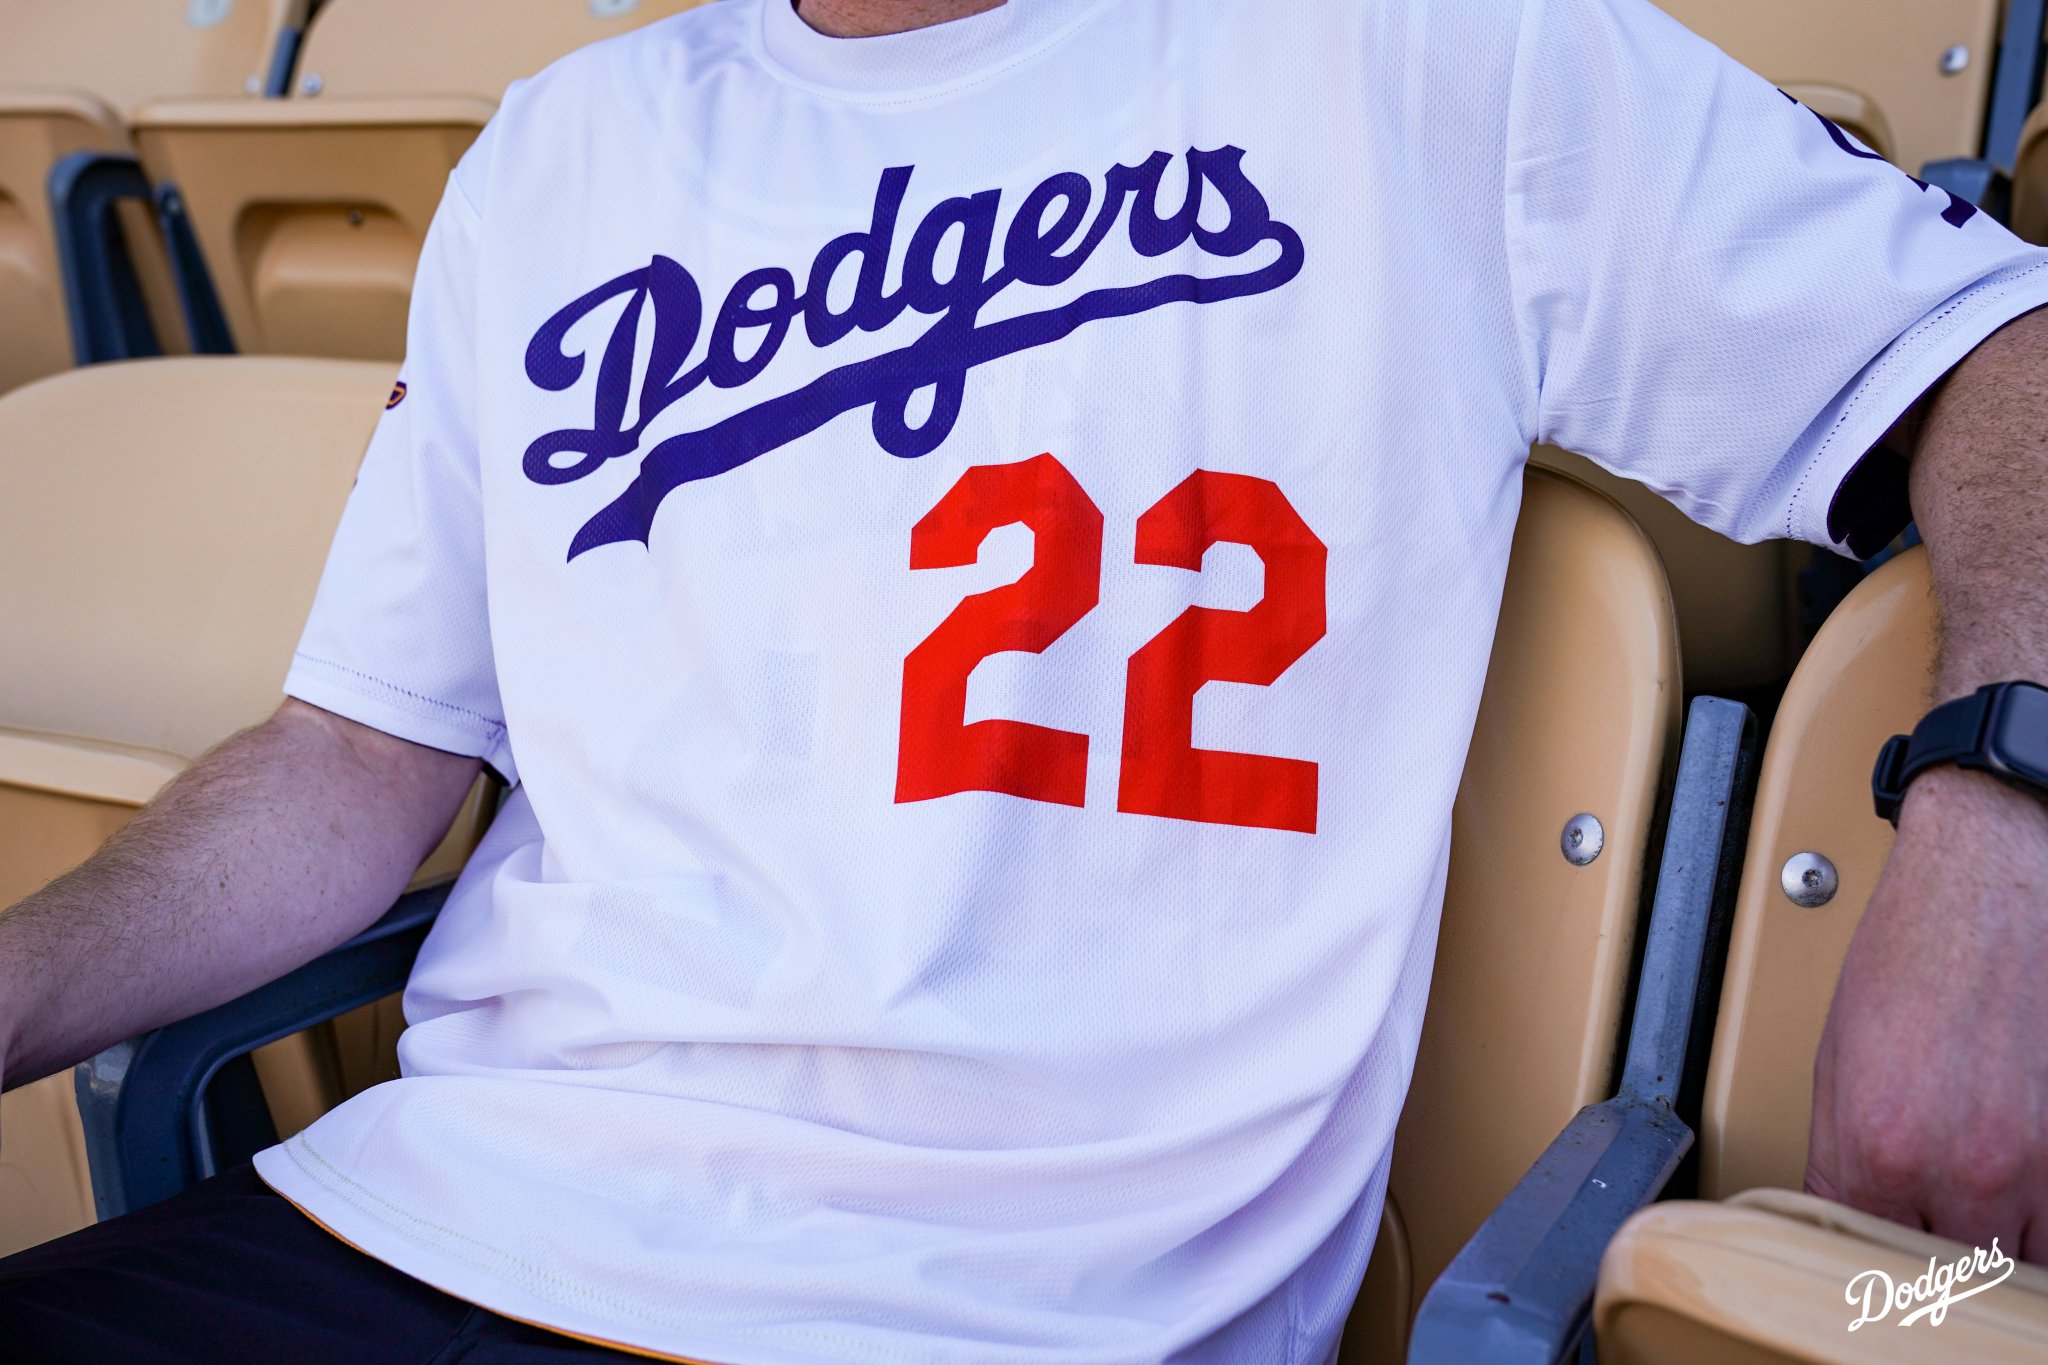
{"x":921,"y":61}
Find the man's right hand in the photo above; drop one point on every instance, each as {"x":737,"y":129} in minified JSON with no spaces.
{"x":270,"y":850}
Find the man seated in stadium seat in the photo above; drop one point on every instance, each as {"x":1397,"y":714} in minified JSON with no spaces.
{"x":801,"y":489}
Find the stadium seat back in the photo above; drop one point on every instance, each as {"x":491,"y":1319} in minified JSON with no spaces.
{"x":69,"y":74}
{"x":471,"y":48}
{"x":164,"y":530}
{"x":311,"y":211}
{"x":1866,"y":677}
{"x":1580,"y":716}
{"x":1893,"y":55}
{"x":1765,"y":1279}
{"x":36,"y":131}
{"x":311,"y":220}
{"x":122,"y":52}
{"x":1738,"y":605}
{"x":2030,"y":180}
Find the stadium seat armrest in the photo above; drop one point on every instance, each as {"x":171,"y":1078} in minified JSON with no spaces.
{"x":1686,"y":946}
{"x":173,"y":1107}
{"x":206,"y":323}
{"x":284,"y":61}
{"x":102,"y":293}
{"x":1521,"y":1290}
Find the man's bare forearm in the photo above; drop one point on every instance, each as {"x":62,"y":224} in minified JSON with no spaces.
{"x":1980,"y":493}
{"x":1930,"y":1091}
{"x":271,"y":849}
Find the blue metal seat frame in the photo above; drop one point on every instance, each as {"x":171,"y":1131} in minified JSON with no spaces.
{"x":1521,"y":1290}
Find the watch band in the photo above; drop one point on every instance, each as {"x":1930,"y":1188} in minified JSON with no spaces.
{"x":1971,"y":732}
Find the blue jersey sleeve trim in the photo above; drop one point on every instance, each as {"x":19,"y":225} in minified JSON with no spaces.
{"x":1864,"y":483}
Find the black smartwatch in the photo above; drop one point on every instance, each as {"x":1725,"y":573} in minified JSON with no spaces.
{"x":2001,"y":729}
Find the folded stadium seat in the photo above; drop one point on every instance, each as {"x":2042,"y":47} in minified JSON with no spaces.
{"x":1926,"y":69}
{"x":1776,"y":1278}
{"x":69,"y":74}
{"x":310,"y":211}
{"x":164,"y":529}
{"x":1738,"y":605}
{"x":1532,"y":968}
{"x":1865,"y":678}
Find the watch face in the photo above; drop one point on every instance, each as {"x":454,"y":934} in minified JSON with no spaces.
{"x":2019,"y":740}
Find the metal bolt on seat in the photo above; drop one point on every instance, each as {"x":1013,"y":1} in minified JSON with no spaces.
{"x":1809,"y":879}
{"x":1582,"y":840}
{"x":1955,"y":61}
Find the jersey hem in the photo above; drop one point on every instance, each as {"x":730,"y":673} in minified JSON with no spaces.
{"x":541,"y":1326}
{"x":411,"y":716}
{"x":318,"y":1189}
{"x":1903,"y":374}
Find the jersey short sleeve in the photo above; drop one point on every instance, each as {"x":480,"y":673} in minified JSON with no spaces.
{"x":399,"y":637}
{"x":1721,"y":294}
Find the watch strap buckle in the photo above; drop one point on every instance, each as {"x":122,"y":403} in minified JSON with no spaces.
{"x":1888,"y":782}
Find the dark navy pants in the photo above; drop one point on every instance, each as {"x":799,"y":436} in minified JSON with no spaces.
{"x":230,"y":1272}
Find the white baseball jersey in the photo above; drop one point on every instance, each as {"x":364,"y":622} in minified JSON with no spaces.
{"x":979,"y":549}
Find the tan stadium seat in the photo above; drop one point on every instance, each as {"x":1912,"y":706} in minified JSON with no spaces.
{"x":1765,"y":1280}
{"x":164,"y":528}
{"x":2030,"y":180}
{"x":310,"y":211}
{"x":70,"y":72}
{"x":1851,"y":54}
{"x":1532,"y":966}
{"x":1866,"y":677}
{"x":1852,"y":110}
{"x":1738,"y":605}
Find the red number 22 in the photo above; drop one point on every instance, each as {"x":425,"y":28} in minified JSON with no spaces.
{"x":1162,"y":772}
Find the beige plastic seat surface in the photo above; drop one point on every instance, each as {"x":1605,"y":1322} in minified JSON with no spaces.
{"x":1738,"y":605}
{"x":1866,"y":677}
{"x":1765,"y":1280}
{"x":2030,"y":180}
{"x":1888,"y":52}
{"x":1580,"y":715}
{"x":1852,"y":110}
{"x":164,"y":530}
{"x":311,"y":211}
{"x":69,"y":74}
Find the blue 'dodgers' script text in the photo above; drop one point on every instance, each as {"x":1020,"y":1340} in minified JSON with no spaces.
{"x":1049,"y":238}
